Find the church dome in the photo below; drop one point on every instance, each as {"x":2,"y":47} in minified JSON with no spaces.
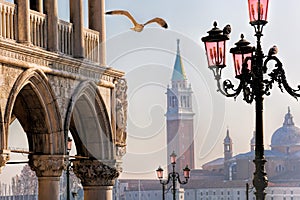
{"x":288,"y":134}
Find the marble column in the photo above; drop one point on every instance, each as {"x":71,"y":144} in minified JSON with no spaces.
{"x":48,"y":169}
{"x":97,"y":23}
{"x":4,"y":157}
{"x":97,"y":179}
{"x":52,"y":27}
{"x":23,"y":19}
{"x":76,"y":18}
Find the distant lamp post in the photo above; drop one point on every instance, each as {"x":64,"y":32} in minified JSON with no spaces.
{"x":251,"y":69}
{"x":69,"y":147}
{"x":174,"y":176}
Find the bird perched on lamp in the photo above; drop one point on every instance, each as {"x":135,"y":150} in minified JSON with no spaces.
{"x":227,"y":30}
{"x":138,"y":27}
{"x":273,"y":50}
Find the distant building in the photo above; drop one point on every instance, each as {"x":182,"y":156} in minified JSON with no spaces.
{"x":180,"y":116}
{"x":283,"y":160}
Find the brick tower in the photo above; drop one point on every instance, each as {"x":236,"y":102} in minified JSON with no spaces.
{"x":180,"y":117}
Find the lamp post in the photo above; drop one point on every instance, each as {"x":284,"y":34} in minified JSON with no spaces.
{"x":69,"y":146}
{"x":251,"y":68}
{"x":172,"y":176}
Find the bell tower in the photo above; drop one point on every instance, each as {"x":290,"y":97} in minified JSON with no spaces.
{"x":227,"y":146}
{"x":180,"y":117}
{"x":227,"y":156}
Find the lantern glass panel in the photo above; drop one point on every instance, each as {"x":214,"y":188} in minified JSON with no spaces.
{"x":186,"y":173}
{"x":258,"y":10}
{"x":173,"y":159}
{"x":159,"y":173}
{"x":215,"y":52}
{"x":238,"y":61}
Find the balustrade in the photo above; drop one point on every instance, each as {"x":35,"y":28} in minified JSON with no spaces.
{"x":38,"y":32}
{"x":65,"y":37}
{"x":7,"y":19}
{"x":38,"y":29}
{"x":91,"y":45}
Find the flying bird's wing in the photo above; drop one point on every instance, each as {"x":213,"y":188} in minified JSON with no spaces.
{"x":122,"y":12}
{"x":158,"y":20}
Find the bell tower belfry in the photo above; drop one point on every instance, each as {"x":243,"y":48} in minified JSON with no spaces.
{"x":180,"y":116}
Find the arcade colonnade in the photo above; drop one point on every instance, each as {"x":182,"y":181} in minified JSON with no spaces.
{"x":54,"y":80}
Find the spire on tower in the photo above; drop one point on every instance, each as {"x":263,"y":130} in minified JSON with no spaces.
{"x":178,"y":71}
{"x":178,"y":49}
{"x":227,"y":139}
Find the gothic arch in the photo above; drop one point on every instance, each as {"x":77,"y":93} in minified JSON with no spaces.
{"x":87,"y":119}
{"x":32,"y":102}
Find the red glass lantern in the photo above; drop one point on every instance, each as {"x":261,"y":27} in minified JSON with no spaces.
{"x":160,"y":172}
{"x":173,"y":158}
{"x":215,"y":47}
{"x":186,"y":172}
{"x":240,"y":53}
{"x":258,"y":11}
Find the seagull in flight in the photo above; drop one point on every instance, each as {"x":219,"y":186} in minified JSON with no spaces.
{"x":138,"y":27}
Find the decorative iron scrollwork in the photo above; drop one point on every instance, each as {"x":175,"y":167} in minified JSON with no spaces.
{"x":278,"y":75}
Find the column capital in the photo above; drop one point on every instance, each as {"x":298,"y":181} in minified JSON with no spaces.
{"x":4,"y":157}
{"x":95,"y":173}
{"x":47,"y":165}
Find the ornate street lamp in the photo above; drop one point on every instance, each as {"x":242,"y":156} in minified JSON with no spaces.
{"x":69,"y":147}
{"x":251,"y":69}
{"x":174,"y":176}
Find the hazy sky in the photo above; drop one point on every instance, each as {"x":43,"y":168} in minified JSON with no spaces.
{"x":148,"y":58}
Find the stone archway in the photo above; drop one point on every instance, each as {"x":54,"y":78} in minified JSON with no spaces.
{"x":32,"y":102}
{"x":88,"y":121}
{"x":43,"y":60}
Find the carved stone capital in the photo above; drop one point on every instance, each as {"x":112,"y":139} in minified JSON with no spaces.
{"x":4,"y":157}
{"x":94,"y":173}
{"x":47,"y":165}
